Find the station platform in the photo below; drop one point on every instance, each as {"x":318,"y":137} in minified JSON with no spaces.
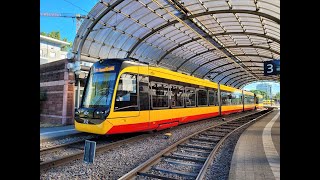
{"x":51,"y":133}
{"x":257,"y":153}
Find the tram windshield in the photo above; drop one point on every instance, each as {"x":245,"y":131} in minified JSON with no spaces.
{"x":100,"y":86}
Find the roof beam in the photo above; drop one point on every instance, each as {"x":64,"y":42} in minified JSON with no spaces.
{"x":149,"y":34}
{"x":240,"y":82}
{"x":243,"y":80}
{"x":237,"y":55}
{"x":242,"y":85}
{"x":227,"y":47}
{"x":212,"y":70}
{"x":237,"y":72}
{"x":198,"y":54}
{"x":176,"y":47}
{"x":236,"y":78}
{"x":276,"y":20}
{"x":248,"y":33}
{"x":93,"y":23}
{"x":229,"y":70}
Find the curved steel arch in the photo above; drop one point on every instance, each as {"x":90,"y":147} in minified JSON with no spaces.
{"x":95,"y":21}
{"x":248,"y":33}
{"x":237,"y":11}
{"x":227,"y":47}
{"x":251,"y":46}
{"x":174,"y":48}
{"x":242,"y":80}
{"x":242,"y":75}
{"x":229,"y":64}
{"x":230,"y":70}
{"x":240,"y":84}
{"x":237,"y":72}
{"x":237,"y":55}
{"x":149,"y":34}
{"x":198,"y":54}
{"x":234,"y":78}
{"x":265,"y":78}
{"x":196,"y":15}
{"x":244,"y":84}
{"x":234,"y":69}
{"x":226,"y":33}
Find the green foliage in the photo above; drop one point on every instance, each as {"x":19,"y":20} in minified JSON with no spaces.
{"x":56,"y":35}
{"x":277,"y":96}
{"x":264,"y":94}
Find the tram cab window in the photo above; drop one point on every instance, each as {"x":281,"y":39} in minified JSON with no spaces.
{"x":190,"y":99}
{"x":176,"y":96}
{"x":126,"y":97}
{"x":160,"y":96}
{"x":202,"y":97}
{"x":213,"y":98}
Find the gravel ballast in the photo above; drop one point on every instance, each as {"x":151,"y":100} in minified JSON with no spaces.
{"x":219,"y":169}
{"x":116,"y":162}
{"x":66,"y":140}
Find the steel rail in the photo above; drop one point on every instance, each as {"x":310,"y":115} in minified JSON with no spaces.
{"x":66,"y":159}
{"x":57,"y":147}
{"x":144,"y":167}
{"x":218,"y":146}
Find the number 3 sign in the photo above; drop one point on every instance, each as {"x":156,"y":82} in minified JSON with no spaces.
{"x":272,"y":67}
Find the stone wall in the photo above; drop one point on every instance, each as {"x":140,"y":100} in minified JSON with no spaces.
{"x":58,"y":83}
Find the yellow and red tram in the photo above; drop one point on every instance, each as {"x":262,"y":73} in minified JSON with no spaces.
{"x":124,"y":96}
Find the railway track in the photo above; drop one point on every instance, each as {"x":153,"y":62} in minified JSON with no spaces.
{"x":51,"y":157}
{"x":190,"y":157}
{"x":62,"y":146}
{"x":76,"y":149}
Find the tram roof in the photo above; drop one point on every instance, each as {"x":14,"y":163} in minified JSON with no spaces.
{"x":225,"y":41}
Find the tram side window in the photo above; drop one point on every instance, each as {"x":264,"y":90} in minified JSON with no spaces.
{"x":126,"y":97}
{"x":144,"y":92}
{"x":177,"y":96}
{"x":160,"y":97}
{"x":225,"y":98}
{"x":248,"y":99}
{"x":190,"y":97}
{"x":202,"y":97}
{"x":213,"y":98}
{"x":236,"y":99}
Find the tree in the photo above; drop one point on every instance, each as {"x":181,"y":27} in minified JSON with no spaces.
{"x":66,"y":47}
{"x":56,"y":35}
{"x":264,"y":94}
{"x":277,"y":96}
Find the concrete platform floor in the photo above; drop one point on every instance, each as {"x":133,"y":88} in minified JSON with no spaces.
{"x":56,"y":132}
{"x":257,"y":153}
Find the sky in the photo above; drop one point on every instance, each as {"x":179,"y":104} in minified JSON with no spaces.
{"x":275,"y":87}
{"x":66,"y":26}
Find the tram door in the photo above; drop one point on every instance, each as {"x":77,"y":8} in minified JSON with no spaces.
{"x":144,"y":99}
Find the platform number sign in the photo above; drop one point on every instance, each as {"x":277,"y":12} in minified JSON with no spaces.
{"x":89,"y":151}
{"x":272,"y":67}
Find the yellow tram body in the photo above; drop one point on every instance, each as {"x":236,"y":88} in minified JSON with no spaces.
{"x":157,"y":119}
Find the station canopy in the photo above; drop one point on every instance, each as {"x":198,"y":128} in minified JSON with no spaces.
{"x":225,"y":41}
